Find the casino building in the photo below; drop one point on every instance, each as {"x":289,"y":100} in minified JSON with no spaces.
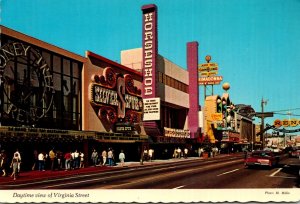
{"x":53,"y":98}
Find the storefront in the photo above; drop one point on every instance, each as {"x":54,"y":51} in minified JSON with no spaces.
{"x":52,"y":98}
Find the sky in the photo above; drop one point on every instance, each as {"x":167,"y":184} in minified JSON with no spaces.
{"x":255,"y":43}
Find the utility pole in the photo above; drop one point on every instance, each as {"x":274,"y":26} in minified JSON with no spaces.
{"x":263,"y":103}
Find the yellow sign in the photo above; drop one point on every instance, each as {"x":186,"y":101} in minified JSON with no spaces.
{"x":216,"y":116}
{"x":294,"y":122}
{"x":209,"y":73}
{"x":208,"y":69}
{"x":277,"y":123}
{"x":286,"y":123}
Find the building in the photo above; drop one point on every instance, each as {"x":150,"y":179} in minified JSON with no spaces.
{"x":170,"y":93}
{"x":227,"y":125}
{"x":53,"y":98}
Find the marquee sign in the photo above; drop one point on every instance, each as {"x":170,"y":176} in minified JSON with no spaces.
{"x":171,"y":132}
{"x":115,"y":97}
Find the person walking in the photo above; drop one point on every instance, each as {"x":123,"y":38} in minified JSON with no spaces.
{"x":68,"y":158}
{"x":35,"y":160}
{"x":122,"y":158}
{"x":15,"y":165}
{"x":150,"y":154}
{"x":104,"y":156}
{"x":41,"y":159}
{"x":76,"y":159}
{"x":3,"y":163}
{"x":185,"y":152}
{"x":94,"y":157}
{"x":52,"y":157}
{"x":110,"y":157}
{"x":179,"y":152}
{"x":81,"y":155}
{"x":19,"y":158}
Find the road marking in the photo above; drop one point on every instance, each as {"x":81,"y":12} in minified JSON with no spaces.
{"x":287,"y":177}
{"x":275,"y":172}
{"x":179,"y":187}
{"x":228,"y":172}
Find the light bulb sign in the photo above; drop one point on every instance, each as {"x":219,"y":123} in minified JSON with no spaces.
{"x":114,"y":96}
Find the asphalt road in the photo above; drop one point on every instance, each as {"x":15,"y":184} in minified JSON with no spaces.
{"x":229,"y":174}
{"x":213,"y":173}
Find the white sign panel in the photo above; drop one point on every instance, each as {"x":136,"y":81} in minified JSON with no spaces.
{"x":151,"y":109}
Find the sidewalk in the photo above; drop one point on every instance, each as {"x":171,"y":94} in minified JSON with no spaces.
{"x":48,"y":174}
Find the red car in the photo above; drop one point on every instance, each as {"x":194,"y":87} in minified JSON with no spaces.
{"x":295,"y":152}
{"x":262,"y":158}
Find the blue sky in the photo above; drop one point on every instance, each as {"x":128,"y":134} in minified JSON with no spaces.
{"x":256,"y":43}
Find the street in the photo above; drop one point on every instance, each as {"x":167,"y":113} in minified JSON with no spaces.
{"x":222,"y":172}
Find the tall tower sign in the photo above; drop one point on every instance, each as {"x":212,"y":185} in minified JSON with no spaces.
{"x":149,"y":50}
{"x":151,"y":110}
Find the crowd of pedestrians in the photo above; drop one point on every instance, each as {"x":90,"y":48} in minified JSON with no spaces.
{"x":70,"y":160}
{"x":106,"y":158}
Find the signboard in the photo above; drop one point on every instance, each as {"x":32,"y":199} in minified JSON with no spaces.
{"x":210,"y":80}
{"x":264,"y":114}
{"x":151,"y":109}
{"x":208,"y":69}
{"x":171,"y":132}
{"x":115,"y":97}
{"x":149,"y":50}
{"x":124,"y":127}
{"x":286,"y":123}
{"x":216,"y":116}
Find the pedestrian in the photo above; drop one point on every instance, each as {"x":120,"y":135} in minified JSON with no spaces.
{"x":67,"y":158}
{"x":150,"y":154}
{"x":185,"y":152}
{"x":35,"y":159}
{"x":104,"y":156}
{"x":41,"y":159}
{"x":110,"y":157}
{"x":59,"y":158}
{"x":175,"y":153}
{"x":15,"y":165}
{"x":52,"y":157}
{"x":19,"y":158}
{"x":122,"y":158}
{"x":3,"y":163}
{"x":179,"y":152}
{"x":94,"y":157}
{"x":76,"y":159}
{"x":81,"y":155}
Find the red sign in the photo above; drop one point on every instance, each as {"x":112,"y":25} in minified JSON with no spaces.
{"x":114,"y":96}
{"x":210,"y":80}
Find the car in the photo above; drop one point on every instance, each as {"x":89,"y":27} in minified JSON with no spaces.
{"x":262,"y":158}
{"x":295,"y":152}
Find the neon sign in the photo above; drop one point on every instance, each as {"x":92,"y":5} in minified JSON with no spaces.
{"x":114,"y":97}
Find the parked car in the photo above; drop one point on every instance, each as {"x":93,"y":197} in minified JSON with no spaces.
{"x":262,"y":158}
{"x":295,"y":152}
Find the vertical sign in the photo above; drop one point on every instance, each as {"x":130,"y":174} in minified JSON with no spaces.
{"x":149,"y":50}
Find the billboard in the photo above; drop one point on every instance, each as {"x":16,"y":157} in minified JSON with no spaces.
{"x":151,"y":109}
